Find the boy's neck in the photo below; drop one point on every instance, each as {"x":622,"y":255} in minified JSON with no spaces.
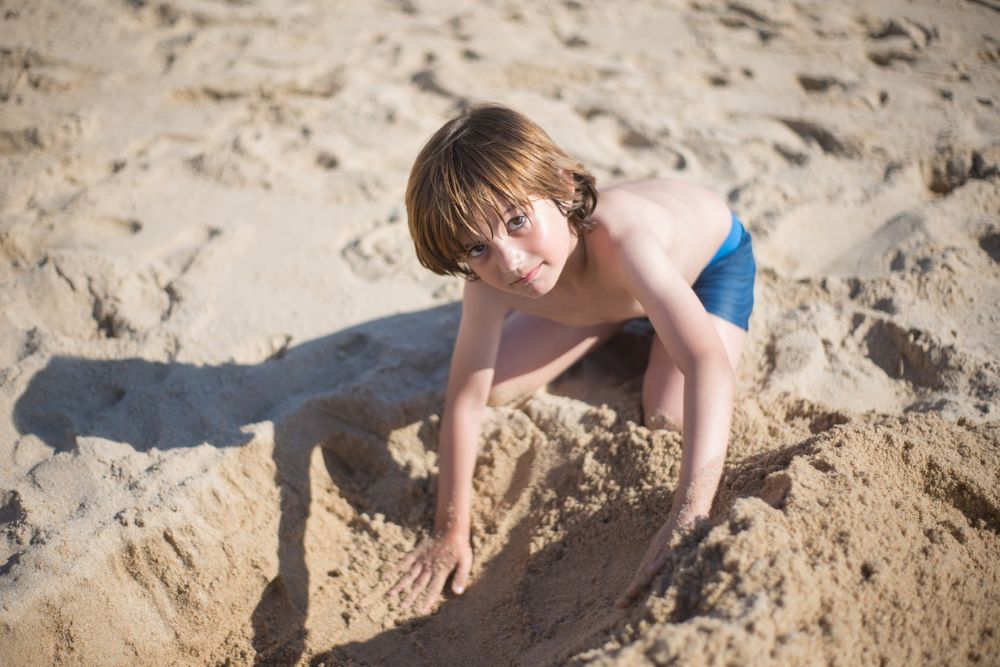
{"x":576,"y":263}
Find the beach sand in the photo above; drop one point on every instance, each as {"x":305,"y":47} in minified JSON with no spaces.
{"x":222,"y":368}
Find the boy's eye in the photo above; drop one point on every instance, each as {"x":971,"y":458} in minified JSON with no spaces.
{"x":517,"y":222}
{"x":476,"y":250}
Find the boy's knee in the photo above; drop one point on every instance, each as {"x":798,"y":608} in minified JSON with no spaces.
{"x":505,"y":393}
{"x":495,"y":399}
{"x":662,"y":419}
{"x":500,"y":394}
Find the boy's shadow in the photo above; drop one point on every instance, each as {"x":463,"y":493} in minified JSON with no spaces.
{"x":358,"y":384}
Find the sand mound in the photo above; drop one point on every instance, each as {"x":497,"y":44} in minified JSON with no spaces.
{"x":221,"y":365}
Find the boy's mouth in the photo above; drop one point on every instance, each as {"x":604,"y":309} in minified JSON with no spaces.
{"x":528,"y":277}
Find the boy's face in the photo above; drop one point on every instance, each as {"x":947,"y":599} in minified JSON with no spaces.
{"x":522,"y":252}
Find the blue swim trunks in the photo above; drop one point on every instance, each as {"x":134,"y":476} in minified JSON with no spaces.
{"x":725,"y":286}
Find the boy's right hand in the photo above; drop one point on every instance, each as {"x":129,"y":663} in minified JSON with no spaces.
{"x":425,"y":569}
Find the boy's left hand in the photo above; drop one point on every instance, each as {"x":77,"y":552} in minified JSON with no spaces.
{"x":652,"y":561}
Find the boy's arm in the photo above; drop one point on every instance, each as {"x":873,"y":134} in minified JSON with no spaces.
{"x":691,"y":340}
{"x":469,"y":381}
{"x":689,"y":337}
{"x":424,"y":570}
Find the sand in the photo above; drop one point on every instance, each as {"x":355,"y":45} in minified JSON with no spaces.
{"x":221,"y":366}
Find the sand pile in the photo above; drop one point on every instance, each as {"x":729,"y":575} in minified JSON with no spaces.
{"x":221,"y":365}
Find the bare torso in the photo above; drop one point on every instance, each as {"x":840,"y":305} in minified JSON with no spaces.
{"x":686,"y":222}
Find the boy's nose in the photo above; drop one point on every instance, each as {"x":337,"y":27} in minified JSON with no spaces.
{"x":509,"y":257}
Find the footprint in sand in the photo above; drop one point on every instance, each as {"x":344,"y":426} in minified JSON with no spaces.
{"x":244,"y":159}
{"x":380,"y":253}
{"x":58,"y":135}
{"x":904,"y":39}
{"x":820,"y":84}
{"x":124,"y":308}
{"x":813,"y":133}
{"x":28,"y":71}
{"x":426,"y":81}
{"x":741,"y":17}
{"x":792,"y":157}
{"x":951,"y":167}
{"x":911,"y":355}
{"x":888,"y":58}
{"x":632,"y":138}
{"x":917,"y":34}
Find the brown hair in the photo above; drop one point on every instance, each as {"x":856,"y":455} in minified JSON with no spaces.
{"x":487,"y":154}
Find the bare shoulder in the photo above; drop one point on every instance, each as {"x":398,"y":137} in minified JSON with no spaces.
{"x":646,"y":208}
{"x":666,"y":198}
{"x":625,"y":220}
{"x":682,"y":221}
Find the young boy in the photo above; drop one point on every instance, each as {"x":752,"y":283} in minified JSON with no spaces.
{"x":553,"y":271}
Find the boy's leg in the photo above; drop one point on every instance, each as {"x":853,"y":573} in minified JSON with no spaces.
{"x":534,"y":351}
{"x":663,"y":384}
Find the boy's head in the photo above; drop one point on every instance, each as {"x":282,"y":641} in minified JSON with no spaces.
{"x":486,"y":158}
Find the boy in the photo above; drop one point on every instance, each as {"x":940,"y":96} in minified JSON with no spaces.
{"x":553,"y":271}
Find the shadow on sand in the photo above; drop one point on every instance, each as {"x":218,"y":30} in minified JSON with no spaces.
{"x":323,"y":388}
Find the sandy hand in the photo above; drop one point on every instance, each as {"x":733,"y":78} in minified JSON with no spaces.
{"x":652,"y":560}
{"x":425,"y":569}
